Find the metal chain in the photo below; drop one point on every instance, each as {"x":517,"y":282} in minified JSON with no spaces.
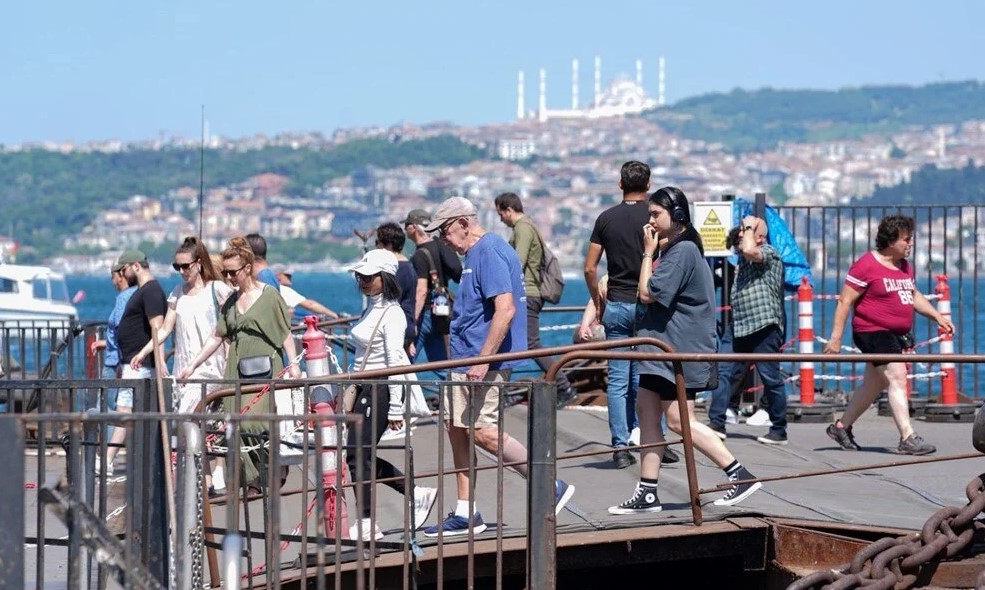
{"x":895,"y":562}
{"x":197,"y":536}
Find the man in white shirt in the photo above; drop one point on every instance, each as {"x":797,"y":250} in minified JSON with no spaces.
{"x":285,"y":276}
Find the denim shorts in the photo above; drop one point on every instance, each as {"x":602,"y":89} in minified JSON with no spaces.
{"x":125,"y":397}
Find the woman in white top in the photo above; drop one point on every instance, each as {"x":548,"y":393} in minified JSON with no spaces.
{"x":193,"y":312}
{"x":379,"y":342}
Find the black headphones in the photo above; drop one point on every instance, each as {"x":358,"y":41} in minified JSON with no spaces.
{"x":678,"y":213}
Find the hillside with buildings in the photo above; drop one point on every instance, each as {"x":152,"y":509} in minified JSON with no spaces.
{"x":86,"y":202}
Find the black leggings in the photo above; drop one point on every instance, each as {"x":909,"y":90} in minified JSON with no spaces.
{"x":372,"y":403}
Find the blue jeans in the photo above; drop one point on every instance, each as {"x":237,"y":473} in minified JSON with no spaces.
{"x":774,"y":400}
{"x":430,"y":342}
{"x":619,"y":320}
{"x":723,"y":394}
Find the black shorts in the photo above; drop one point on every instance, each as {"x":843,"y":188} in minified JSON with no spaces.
{"x":664,"y":388}
{"x":882,"y":343}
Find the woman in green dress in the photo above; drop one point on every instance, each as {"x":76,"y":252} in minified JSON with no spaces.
{"x":254,"y":321}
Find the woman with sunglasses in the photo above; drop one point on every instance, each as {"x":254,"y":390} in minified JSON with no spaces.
{"x":379,"y":340}
{"x":254,"y":321}
{"x":193,"y":312}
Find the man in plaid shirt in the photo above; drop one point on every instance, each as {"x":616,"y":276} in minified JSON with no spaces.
{"x":758,"y":319}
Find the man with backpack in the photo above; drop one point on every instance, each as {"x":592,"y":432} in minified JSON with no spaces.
{"x":436,"y":265}
{"x":530,"y":247}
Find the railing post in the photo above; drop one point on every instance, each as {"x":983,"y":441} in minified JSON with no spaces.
{"x":190,"y":534}
{"x":541,"y":491}
{"x":12,"y":437}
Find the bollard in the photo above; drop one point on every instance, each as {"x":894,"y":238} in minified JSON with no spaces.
{"x":805,"y":335}
{"x":949,"y":410}
{"x":807,"y":410}
{"x":325,"y":401}
{"x":949,"y":385}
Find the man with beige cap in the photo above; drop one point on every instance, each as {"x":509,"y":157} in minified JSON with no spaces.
{"x":485,"y":322}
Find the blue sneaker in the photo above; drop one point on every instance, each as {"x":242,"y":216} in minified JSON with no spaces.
{"x":563,"y":493}
{"x":456,"y":525}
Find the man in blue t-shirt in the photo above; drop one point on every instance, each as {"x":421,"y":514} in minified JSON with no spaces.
{"x":484,"y":322}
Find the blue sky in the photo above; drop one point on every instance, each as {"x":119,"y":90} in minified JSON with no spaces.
{"x":132,"y":70}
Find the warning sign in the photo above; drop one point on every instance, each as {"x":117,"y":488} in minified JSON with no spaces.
{"x":713,"y":220}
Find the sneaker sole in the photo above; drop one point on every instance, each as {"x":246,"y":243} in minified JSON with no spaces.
{"x":752,"y":489}
{"x":769,"y":441}
{"x":916,"y":453}
{"x":477,"y":529}
{"x":564,"y":499}
{"x":720,"y":435}
{"x":618,"y":510}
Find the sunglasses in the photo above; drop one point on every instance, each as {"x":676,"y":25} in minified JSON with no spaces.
{"x":182,"y":265}
{"x":364,"y":278}
{"x":444,"y":229}
{"x":231,"y":273}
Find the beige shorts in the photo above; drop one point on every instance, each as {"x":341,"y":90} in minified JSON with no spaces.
{"x":484,"y":410}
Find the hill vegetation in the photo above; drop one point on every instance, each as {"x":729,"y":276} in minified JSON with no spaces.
{"x":44,"y":194}
{"x":758,"y":120}
{"x":933,"y":186}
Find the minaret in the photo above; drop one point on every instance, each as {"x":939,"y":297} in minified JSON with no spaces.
{"x":519,"y":96}
{"x":941,"y":143}
{"x":639,"y":73}
{"x":574,"y":84}
{"x":542,"y":111}
{"x":661,"y":84}
{"x":598,"y":81}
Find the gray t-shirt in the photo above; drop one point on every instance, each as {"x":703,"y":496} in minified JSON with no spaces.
{"x":682,"y":314}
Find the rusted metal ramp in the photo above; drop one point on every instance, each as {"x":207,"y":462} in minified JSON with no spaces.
{"x":788,"y":529}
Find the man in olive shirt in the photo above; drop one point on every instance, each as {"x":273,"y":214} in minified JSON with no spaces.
{"x":529,"y":247}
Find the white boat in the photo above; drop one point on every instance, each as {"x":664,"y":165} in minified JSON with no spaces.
{"x":34,"y":295}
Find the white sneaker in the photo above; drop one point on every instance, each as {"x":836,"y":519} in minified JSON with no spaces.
{"x":97,"y":469}
{"x":731,"y":417}
{"x":634,"y":437}
{"x":367,"y":527}
{"x":397,"y":435}
{"x":760,"y":418}
{"x":423,"y":504}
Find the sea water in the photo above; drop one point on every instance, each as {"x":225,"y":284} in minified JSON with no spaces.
{"x":339,"y":292}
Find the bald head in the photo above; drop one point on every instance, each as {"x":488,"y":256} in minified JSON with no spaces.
{"x":757,"y":225}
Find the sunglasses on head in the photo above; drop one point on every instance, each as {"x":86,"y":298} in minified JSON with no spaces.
{"x":231,"y":273}
{"x":180,"y":266}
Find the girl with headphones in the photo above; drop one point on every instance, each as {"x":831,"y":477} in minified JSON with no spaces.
{"x":677,"y":296}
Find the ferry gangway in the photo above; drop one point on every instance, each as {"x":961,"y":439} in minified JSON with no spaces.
{"x":77,"y":534}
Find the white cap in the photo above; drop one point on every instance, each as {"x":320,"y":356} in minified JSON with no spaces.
{"x":376,"y":261}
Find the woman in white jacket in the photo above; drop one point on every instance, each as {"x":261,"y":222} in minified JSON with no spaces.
{"x":379,"y":341}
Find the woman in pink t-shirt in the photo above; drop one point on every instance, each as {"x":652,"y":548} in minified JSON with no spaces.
{"x":881,"y":289}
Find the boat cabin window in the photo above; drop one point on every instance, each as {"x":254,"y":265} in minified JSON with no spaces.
{"x":40,"y":288}
{"x":59,"y":290}
{"x":8,"y":286}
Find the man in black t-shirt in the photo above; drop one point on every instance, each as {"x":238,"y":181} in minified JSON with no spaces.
{"x":143,"y":313}
{"x":618,"y":233}
{"x":433,"y":320}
